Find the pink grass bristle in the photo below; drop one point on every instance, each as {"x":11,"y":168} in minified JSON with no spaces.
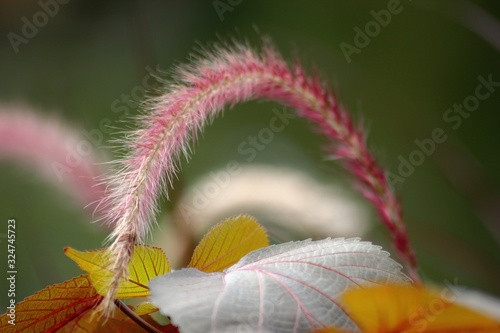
{"x":227,"y":76}
{"x":49,"y":147}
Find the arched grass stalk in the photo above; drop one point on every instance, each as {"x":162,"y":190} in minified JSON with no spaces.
{"x":227,"y":75}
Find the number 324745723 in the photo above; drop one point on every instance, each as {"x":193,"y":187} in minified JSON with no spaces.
{"x":11,"y":239}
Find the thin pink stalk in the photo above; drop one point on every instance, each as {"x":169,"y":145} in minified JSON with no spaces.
{"x":227,"y":76}
{"x":51,"y":149}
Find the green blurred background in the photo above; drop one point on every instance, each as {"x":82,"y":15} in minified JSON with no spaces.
{"x":428,"y":58}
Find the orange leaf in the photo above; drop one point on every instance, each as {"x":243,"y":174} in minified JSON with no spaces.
{"x":146,"y":263}
{"x":228,"y":242}
{"x":68,"y":307}
{"x":53,"y":307}
{"x":91,"y":322}
{"x":406,"y":309}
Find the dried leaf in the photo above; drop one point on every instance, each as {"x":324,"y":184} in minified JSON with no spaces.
{"x":227,"y":242}
{"x":292,"y":287}
{"x":405,"y":309}
{"x":91,"y":322}
{"x":66,"y":307}
{"x":53,"y":307}
{"x":147,"y":262}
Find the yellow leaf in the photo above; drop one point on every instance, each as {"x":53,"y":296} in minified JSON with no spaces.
{"x":147,"y":263}
{"x":227,"y":242}
{"x":145,"y":308}
{"x":413,"y":309}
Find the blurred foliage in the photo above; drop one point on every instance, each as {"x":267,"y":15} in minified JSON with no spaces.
{"x":91,"y":52}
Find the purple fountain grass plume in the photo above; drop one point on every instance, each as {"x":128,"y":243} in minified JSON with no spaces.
{"x":51,"y":148}
{"x":227,"y":75}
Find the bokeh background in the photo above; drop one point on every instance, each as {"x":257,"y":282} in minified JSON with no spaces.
{"x":80,"y":63}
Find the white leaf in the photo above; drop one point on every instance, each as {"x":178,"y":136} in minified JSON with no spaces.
{"x":291,"y":287}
